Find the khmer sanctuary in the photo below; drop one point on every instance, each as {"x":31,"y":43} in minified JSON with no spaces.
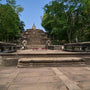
{"x":56,"y":58}
{"x":34,"y":38}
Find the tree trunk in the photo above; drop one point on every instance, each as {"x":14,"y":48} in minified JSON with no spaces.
{"x":69,"y":35}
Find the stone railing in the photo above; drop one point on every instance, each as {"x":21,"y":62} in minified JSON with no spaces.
{"x":84,"y":46}
{"x":7,"y":47}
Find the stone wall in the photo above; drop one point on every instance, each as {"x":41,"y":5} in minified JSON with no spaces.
{"x":10,"y":61}
{"x":80,"y":47}
{"x":55,"y":47}
{"x":0,"y":60}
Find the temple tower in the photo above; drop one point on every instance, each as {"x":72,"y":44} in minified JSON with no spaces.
{"x":34,"y":27}
{"x":35,"y":38}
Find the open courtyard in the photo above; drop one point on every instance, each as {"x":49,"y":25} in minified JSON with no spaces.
{"x":45,"y":70}
{"x":45,"y":78}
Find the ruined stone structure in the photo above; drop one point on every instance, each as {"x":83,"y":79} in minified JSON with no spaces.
{"x":7,"y":47}
{"x":34,"y":38}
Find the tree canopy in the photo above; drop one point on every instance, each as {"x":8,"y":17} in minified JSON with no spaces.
{"x":67,"y":19}
{"x":10,"y":23}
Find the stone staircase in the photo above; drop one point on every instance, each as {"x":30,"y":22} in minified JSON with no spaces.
{"x":46,"y":58}
{"x":35,"y":46}
{"x":50,"y":62}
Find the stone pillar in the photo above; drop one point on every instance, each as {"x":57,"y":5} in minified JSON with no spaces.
{"x":73,"y":48}
{"x":15,"y":48}
{"x":3,"y":48}
{"x":10,"y":48}
{"x":65,"y":47}
{"x":80,"y":48}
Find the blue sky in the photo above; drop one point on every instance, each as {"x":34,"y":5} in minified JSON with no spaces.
{"x":32,"y":12}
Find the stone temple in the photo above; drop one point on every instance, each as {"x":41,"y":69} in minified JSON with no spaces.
{"x":34,"y":38}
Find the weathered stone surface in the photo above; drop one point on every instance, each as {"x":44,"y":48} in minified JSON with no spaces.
{"x":56,"y":57}
{"x":81,"y":47}
{"x":10,"y":61}
{"x":44,"y":53}
{"x":34,"y":37}
{"x":47,"y":61}
{"x":7,"y":47}
{"x":2,"y":87}
{"x":12,"y":78}
{"x":63,"y":87}
{"x":69,"y":83}
{"x":0,"y":60}
{"x":87,"y":60}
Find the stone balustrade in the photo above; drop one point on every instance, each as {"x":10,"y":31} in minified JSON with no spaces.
{"x":7,"y":47}
{"x":84,"y":46}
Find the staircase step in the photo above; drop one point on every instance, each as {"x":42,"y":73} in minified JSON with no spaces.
{"x":38,"y":62}
{"x":35,"y":46}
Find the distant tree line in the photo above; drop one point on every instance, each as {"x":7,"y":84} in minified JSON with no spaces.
{"x":66,"y":20}
{"x":10,"y":23}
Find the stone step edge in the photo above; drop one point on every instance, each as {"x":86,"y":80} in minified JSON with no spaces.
{"x":49,"y":60}
{"x":26,"y":65}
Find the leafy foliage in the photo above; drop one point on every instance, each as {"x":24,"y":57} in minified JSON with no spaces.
{"x":66,"y":19}
{"x":17,"y":8}
{"x":10,"y":24}
{"x":21,"y":26}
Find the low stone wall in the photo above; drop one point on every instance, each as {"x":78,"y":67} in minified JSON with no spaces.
{"x":0,"y":60}
{"x":7,"y":47}
{"x":55,"y":47}
{"x":10,"y":62}
{"x":81,"y":47}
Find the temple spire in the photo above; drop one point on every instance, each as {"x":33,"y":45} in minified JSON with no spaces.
{"x":34,"y":27}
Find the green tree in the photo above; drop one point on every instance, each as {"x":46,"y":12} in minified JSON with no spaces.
{"x":21,"y":26}
{"x":52,"y":21}
{"x":17,"y":8}
{"x":9,"y":23}
{"x":65,"y":19}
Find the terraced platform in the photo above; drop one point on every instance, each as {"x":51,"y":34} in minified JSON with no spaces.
{"x":38,"y":58}
{"x":63,"y":76}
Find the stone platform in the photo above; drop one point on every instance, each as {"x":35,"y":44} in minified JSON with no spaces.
{"x":47,"y":78}
{"x":48,"y":62}
{"x":46,"y":57}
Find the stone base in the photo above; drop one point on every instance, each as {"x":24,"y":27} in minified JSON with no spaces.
{"x":10,"y":62}
{"x":49,"y":62}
